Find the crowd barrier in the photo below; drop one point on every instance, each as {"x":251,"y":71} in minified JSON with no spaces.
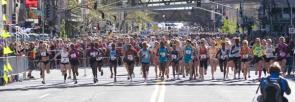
{"x":19,"y":66}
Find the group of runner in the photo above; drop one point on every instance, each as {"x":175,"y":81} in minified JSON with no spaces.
{"x":189,"y":57}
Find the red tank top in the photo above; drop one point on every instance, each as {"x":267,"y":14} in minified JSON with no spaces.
{"x":203,"y":50}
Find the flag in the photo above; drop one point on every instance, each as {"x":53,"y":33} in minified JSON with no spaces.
{"x":7,"y":50}
{"x":5,"y":68}
{"x":8,"y":66}
{"x":4,"y":2}
{"x":4,"y":18}
{"x":5,"y":77}
{"x":5,"y":35}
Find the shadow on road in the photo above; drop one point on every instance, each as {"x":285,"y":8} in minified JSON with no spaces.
{"x":151,"y":82}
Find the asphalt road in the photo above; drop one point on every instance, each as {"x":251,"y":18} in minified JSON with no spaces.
{"x":125,"y":91}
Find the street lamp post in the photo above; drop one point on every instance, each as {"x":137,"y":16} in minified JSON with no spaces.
{"x":42,"y":14}
{"x":164,"y":18}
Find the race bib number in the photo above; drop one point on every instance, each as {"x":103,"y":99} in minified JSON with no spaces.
{"x":245,"y":56}
{"x":174,"y":57}
{"x":73,"y":55}
{"x":65,"y":60}
{"x":188,"y":52}
{"x":113,"y":58}
{"x":163,"y":54}
{"x":203,"y":56}
{"x":99,"y":58}
{"x":43,"y":53}
{"x":93,"y":54}
{"x":130,"y":57}
{"x":282,"y":54}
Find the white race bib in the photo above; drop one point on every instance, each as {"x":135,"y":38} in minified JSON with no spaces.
{"x":203,"y":56}
{"x":188,"y":52}
{"x":282,"y":54}
{"x":163,"y":54}
{"x":65,"y":60}
{"x":245,"y":56}
{"x":93,"y":54}
{"x":99,"y":58}
{"x":130,"y":57}
{"x":174,"y":57}
{"x":73,"y":55}
{"x":146,"y":55}
{"x":43,"y":53}
{"x":113,"y":58}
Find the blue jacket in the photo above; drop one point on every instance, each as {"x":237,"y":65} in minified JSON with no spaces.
{"x":283,"y":83}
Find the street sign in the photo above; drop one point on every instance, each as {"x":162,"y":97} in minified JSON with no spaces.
{"x":291,"y":30}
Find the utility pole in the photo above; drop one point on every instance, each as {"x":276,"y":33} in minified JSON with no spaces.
{"x":42,"y":14}
{"x":1,"y":15}
{"x":242,"y":15}
{"x":292,"y":37}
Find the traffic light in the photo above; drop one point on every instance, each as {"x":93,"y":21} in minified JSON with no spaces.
{"x":199,"y":3}
{"x":13,"y":19}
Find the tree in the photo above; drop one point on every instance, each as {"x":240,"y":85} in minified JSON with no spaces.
{"x":228,"y":26}
{"x":139,"y":18}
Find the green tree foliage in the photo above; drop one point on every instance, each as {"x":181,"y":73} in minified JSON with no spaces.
{"x":139,"y":16}
{"x":228,"y":26}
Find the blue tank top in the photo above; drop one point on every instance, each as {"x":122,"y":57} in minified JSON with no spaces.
{"x":146,"y":56}
{"x":163,"y":54}
{"x":113,"y":54}
{"x":188,"y":54}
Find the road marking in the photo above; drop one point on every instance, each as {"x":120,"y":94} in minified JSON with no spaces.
{"x":162,"y":94}
{"x":155,"y":93}
{"x":43,"y":96}
{"x":159,"y":93}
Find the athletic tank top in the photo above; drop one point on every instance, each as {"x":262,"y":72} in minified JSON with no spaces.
{"x":188,"y":56}
{"x":163,"y":54}
{"x":235,"y":51}
{"x":223,"y":54}
{"x":245,"y":52}
{"x":174,"y":55}
{"x":64,"y":57}
{"x":269,"y":51}
{"x":203,"y":53}
{"x":257,"y":50}
{"x":282,"y":50}
{"x":145,"y":56}
{"x":73,"y":54}
{"x":100,"y":55}
{"x":113,"y":55}
{"x":93,"y":53}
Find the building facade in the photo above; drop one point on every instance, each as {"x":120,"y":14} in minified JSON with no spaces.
{"x":277,"y":16}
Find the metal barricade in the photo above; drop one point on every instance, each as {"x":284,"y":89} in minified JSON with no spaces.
{"x":19,"y":64}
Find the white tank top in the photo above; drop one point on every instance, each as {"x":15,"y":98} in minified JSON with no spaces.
{"x":64,"y":57}
{"x":269,"y":51}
